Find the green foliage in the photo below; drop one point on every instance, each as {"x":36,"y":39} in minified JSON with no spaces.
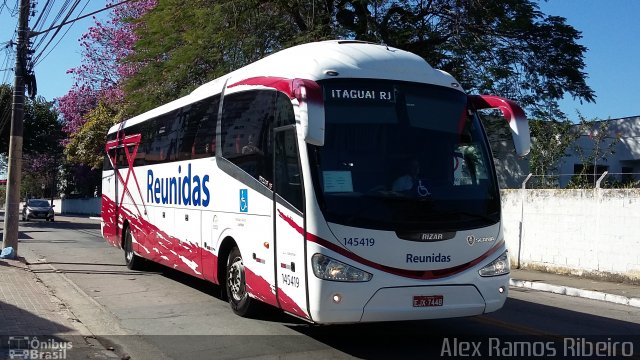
{"x":6,"y":99}
{"x":42,"y":128}
{"x":42,"y":132}
{"x":600,"y":145}
{"x":87,"y":145}
{"x":184,"y":44}
{"x":550,"y":142}
{"x":505,"y":47}
{"x":42,"y":138}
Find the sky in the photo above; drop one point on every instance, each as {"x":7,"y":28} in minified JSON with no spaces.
{"x":610,"y":30}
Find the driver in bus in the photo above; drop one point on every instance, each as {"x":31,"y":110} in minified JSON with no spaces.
{"x":411,"y":181}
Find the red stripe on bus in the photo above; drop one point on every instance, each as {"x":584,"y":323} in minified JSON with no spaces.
{"x":169,"y":250}
{"x":291,"y":87}
{"x":413,"y":274}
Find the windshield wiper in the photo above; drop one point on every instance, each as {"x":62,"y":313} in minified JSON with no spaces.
{"x":395,"y":195}
{"x":486,"y":217}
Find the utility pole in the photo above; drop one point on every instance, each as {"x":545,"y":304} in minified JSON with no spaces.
{"x":12,"y":205}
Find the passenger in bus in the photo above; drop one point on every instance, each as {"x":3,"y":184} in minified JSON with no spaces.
{"x":250,"y":148}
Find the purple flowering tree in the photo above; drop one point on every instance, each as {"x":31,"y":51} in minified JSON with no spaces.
{"x":98,"y":81}
{"x":104,"y":48}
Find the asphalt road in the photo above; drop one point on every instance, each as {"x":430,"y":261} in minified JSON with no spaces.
{"x":161,"y":313}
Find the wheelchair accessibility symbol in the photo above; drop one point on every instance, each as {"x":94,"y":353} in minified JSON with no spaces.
{"x":244,"y":200}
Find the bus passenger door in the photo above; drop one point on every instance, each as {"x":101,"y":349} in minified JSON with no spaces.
{"x":290,"y":248}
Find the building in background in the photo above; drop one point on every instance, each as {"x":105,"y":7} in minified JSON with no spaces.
{"x":618,"y":153}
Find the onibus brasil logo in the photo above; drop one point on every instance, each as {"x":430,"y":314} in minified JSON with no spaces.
{"x":25,"y":347}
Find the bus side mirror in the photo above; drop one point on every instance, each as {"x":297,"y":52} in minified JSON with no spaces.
{"x":311,"y":110}
{"x":514,"y":115}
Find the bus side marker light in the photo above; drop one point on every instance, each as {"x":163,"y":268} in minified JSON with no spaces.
{"x":337,"y":298}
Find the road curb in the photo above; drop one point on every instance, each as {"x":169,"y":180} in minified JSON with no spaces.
{"x":103,"y":325}
{"x":571,"y":291}
{"x":68,"y":291}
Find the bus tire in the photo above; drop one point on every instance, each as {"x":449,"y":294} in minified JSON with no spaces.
{"x":241,"y":303}
{"x":134,"y":262}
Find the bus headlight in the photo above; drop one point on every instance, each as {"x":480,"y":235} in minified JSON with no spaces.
{"x":499,"y":266}
{"x":328,"y":268}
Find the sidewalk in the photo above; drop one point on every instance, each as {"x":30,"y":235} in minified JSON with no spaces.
{"x":32,"y":318}
{"x":614,"y":292}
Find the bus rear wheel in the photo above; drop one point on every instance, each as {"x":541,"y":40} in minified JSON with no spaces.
{"x":134,"y":262}
{"x":241,"y":303}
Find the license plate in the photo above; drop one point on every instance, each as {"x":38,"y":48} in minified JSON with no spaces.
{"x":427,"y":300}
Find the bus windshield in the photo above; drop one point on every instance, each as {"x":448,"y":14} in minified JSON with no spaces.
{"x":403,"y":156}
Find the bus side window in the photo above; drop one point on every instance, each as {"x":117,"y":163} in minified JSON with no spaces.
{"x":163,"y":143}
{"x":121,"y":157}
{"x":246,"y":122}
{"x":204,"y":144}
{"x":106,"y":165}
{"x":187,"y":120}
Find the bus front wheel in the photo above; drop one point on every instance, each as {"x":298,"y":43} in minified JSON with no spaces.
{"x":241,"y":303}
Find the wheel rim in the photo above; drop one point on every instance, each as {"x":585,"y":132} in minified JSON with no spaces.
{"x":235,"y":279}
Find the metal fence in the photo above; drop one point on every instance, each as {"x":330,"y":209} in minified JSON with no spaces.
{"x":604,"y":180}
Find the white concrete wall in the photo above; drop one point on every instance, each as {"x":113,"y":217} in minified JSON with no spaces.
{"x":593,"y":231}
{"x":86,"y":206}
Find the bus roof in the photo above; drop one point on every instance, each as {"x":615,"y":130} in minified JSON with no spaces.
{"x":317,"y":61}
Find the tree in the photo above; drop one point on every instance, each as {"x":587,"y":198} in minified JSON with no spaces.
{"x":6,"y":99}
{"x":92,"y":104}
{"x":42,"y":128}
{"x":600,"y":145}
{"x":184,"y":44}
{"x":505,"y":47}
{"x":86,"y":146}
{"x":550,"y":142}
{"x":42,"y":138}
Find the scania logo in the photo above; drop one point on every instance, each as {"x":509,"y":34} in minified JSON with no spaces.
{"x":472,"y":240}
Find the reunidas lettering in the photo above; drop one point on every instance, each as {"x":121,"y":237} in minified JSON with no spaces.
{"x":433,"y":258}
{"x":178,"y":190}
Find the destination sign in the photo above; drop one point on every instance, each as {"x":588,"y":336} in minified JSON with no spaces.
{"x":359,"y":94}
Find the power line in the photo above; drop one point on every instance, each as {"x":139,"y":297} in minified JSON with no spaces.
{"x":36,"y":33}
{"x":38,"y":60}
{"x":61,"y":11}
{"x":46,"y":9}
{"x":73,"y":7}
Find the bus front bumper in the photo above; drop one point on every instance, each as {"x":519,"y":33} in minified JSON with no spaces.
{"x":416,"y":303}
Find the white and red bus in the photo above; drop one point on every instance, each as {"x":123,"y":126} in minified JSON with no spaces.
{"x":339,"y":181}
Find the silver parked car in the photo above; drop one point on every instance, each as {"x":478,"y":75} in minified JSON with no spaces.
{"x":37,"y":209}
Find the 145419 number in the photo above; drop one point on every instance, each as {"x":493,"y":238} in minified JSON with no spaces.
{"x":359,"y":241}
{"x":290,"y":280}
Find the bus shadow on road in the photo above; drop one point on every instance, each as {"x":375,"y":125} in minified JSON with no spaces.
{"x":536,"y":324}
{"x":65,"y":223}
{"x":45,"y":267}
{"x":265,"y":312}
